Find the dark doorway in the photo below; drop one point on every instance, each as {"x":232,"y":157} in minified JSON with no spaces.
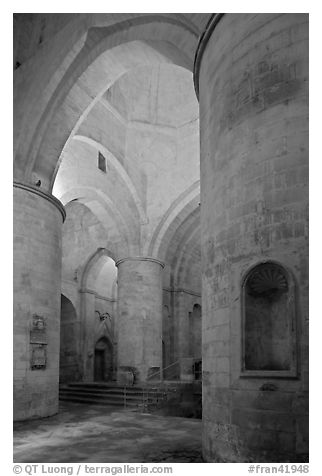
{"x":99,"y":365}
{"x":103,"y":360}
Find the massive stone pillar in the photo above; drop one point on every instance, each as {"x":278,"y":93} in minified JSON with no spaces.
{"x":38,"y":219}
{"x":140,"y":316}
{"x":251,"y":73}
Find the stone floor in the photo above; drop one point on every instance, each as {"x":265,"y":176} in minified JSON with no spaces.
{"x":100,"y":434}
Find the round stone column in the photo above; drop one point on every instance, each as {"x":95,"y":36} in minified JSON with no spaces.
{"x":251,"y":75}
{"x":37,"y":229}
{"x":139,"y":324}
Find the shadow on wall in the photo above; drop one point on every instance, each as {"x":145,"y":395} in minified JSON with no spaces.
{"x":69,"y":364}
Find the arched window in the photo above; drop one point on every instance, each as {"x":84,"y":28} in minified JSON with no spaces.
{"x":269,"y":331}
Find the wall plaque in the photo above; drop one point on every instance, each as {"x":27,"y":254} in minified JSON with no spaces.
{"x":38,"y":356}
{"x":38,"y":334}
{"x":38,"y":343}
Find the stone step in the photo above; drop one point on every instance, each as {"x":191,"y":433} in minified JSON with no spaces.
{"x":134,"y":396}
{"x":94,"y":401}
{"x":107,"y":396}
{"x":112,"y":390}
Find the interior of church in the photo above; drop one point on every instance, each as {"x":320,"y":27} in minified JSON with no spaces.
{"x":161,"y":223}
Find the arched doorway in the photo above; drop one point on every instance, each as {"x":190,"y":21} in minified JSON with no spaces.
{"x":99,"y":285}
{"x":103,"y":360}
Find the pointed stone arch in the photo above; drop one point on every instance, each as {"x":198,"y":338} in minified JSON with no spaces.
{"x":184,"y":205}
{"x":92,"y":261}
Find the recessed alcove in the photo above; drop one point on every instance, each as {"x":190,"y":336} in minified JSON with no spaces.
{"x":269,"y":334}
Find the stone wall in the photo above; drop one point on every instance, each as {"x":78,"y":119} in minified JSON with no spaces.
{"x":181,"y":331}
{"x":82,"y":235}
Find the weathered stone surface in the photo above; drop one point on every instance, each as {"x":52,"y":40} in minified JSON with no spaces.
{"x":119,"y":87}
{"x":37,"y":281}
{"x":254,"y":192}
{"x":140,"y":315}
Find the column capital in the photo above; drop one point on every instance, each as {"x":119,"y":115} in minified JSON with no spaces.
{"x":203,"y":41}
{"x":140,"y":258}
{"x":45,"y":195}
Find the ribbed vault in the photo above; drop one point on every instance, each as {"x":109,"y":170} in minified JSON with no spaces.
{"x":120,"y":45}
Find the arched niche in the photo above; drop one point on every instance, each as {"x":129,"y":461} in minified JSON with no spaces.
{"x":69,"y":362}
{"x":100,"y":274}
{"x":269,"y":322}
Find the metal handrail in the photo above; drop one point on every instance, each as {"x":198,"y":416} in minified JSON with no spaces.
{"x":145,"y":387}
{"x":145,"y":393}
{"x":163,"y":369}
